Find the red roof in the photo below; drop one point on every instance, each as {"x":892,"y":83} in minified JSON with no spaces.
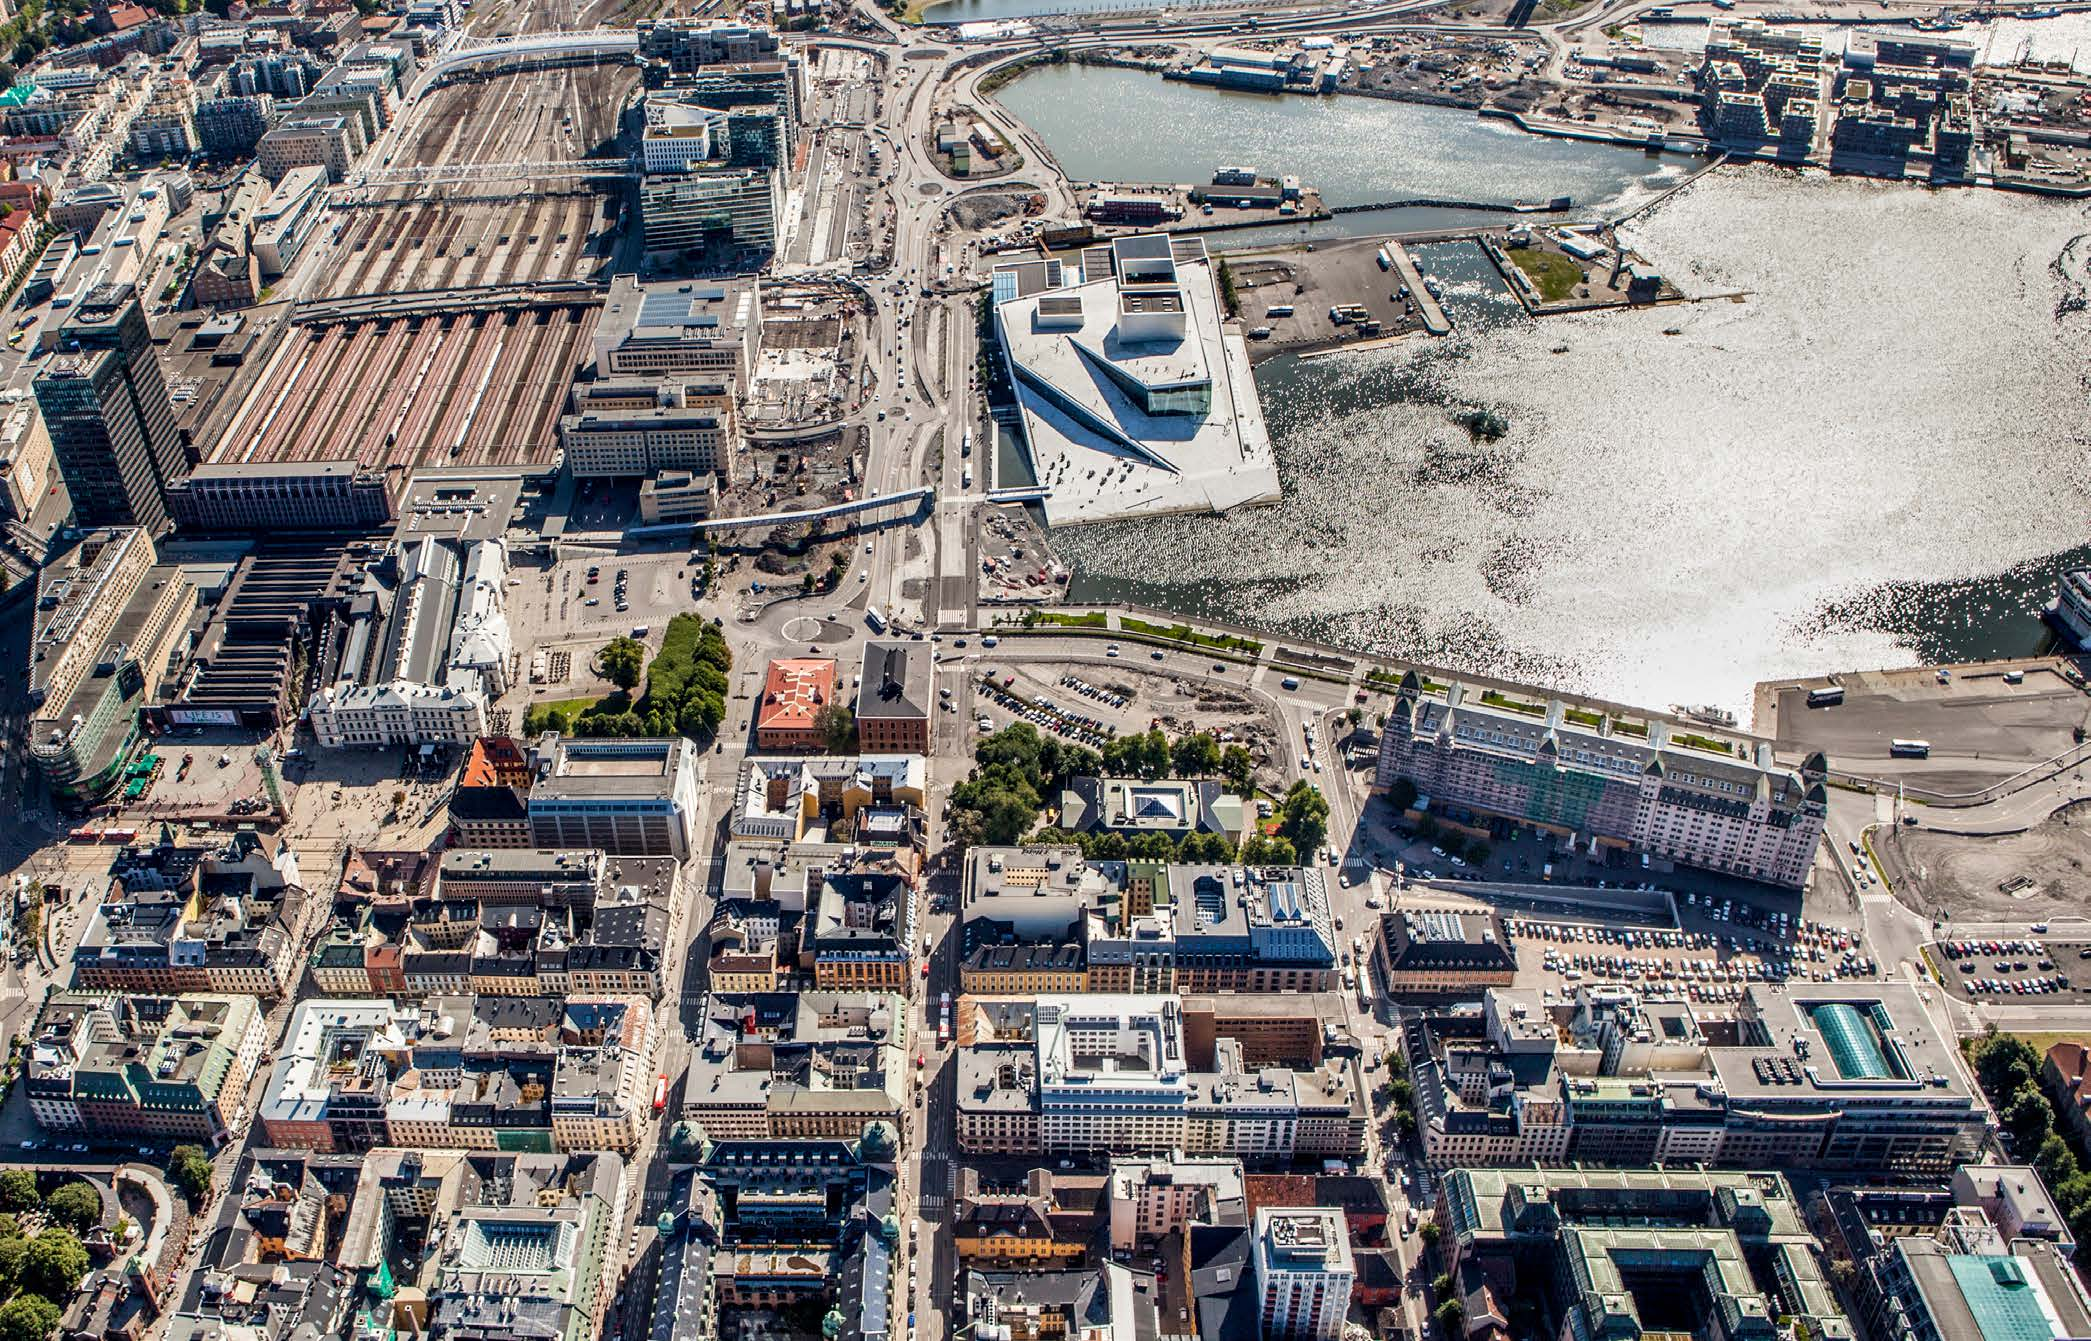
{"x":127,"y":16}
{"x":795,"y":689}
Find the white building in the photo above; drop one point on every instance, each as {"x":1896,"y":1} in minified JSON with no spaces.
{"x":1135,"y":392}
{"x":1303,"y":1272}
{"x":425,"y":674}
{"x":289,"y":218}
{"x":679,"y":137}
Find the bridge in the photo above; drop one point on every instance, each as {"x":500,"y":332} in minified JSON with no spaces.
{"x":435,"y":175}
{"x":467,"y":53}
{"x":899,"y":504}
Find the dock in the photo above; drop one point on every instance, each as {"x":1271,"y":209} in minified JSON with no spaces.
{"x":1427,"y":307}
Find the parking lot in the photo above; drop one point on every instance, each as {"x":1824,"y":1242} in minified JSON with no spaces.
{"x":1045,"y":712}
{"x":2025,"y":967}
{"x":1702,"y":966}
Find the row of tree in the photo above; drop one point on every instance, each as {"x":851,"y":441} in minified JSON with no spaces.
{"x":686,"y":685}
{"x":2009,"y":1070}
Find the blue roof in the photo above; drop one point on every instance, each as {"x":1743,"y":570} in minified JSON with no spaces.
{"x":1853,"y":1046}
{"x":679,"y":308}
{"x":2002,"y":1296}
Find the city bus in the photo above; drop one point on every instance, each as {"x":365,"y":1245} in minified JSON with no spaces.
{"x":875,"y":619}
{"x":1910,"y":749}
{"x":1827,"y":697}
{"x":660,"y":1094}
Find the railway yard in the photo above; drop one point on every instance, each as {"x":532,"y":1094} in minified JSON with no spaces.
{"x":416,"y":390}
{"x":425,"y":245}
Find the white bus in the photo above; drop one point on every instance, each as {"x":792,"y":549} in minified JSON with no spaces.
{"x":1824,"y":698}
{"x":875,"y":619}
{"x":1910,"y":749}
{"x":965,"y":443}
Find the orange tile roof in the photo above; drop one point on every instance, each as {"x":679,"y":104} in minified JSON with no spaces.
{"x":496,"y":761}
{"x":796,"y":689}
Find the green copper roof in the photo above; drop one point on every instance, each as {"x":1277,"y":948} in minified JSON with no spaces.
{"x":19,"y":94}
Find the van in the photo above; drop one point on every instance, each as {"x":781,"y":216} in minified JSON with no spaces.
{"x":641,"y":630}
{"x":990,"y":641}
{"x":1290,"y":682}
{"x":966,"y":479}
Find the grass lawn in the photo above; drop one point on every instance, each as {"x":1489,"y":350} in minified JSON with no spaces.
{"x":615,"y":701}
{"x":1555,"y":274}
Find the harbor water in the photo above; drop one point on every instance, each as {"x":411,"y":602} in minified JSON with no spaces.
{"x":1873,"y":454}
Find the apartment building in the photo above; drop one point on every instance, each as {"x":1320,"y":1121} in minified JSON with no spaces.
{"x":178,"y":918}
{"x":820,"y":1065}
{"x":1046,"y":919}
{"x":136,"y":1065}
{"x":333,"y":142}
{"x":1646,"y":789}
{"x":1303,"y":1270}
{"x":1111,"y":1072}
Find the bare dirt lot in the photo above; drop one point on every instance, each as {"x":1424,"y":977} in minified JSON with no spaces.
{"x":2024,"y":876}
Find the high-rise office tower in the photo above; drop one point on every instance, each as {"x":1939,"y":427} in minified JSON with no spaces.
{"x":105,"y":404}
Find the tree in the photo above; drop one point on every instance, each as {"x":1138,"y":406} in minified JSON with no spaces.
{"x":12,"y":1251}
{"x":54,"y":1264}
{"x":1239,"y":768}
{"x":1478,"y":851}
{"x":1449,"y":1315}
{"x":1303,"y":816}
{"x":623,"y":660}
{"x":1354,"y":715}
{"x":2055,"y":1160}
{"x":191,"y":1170}
{"x":18,"y":1190}
{"x":1196,"y":755}
{"x":2029,"y":1117}
{"x":1266,"y":850}
{"x":1151,"y":847}
{"x":1442,"y":1285}
{"x":1428,"y":1232}
{"x":837,"y":726}
{"x":2073,"y":1194}
{"x":77,"y":1206}
{"x":27,"y":1317}
{"x":1206,"y":847}
{"x":1141,"y":754}
{"x":1003,"y":800}
{"x":1401,"y":794}
{"x":2005,"y":1062}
